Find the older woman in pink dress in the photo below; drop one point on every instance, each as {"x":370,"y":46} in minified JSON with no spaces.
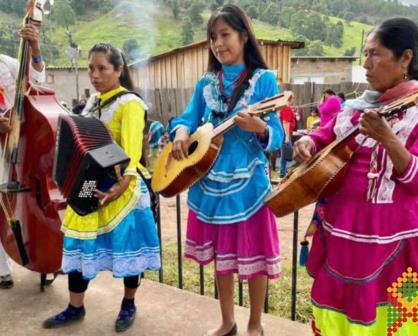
{"x":368,"y":236}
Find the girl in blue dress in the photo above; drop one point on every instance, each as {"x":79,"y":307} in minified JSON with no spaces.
{"x":228,"y":221}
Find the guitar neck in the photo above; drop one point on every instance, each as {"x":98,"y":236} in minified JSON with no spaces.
{"x":265,"y":106}
{"x":224,"y":127}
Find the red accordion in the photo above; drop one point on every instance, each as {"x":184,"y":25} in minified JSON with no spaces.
{"x":85,"y":160}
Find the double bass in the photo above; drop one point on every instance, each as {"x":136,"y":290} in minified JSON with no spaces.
{"x":31,"y":205}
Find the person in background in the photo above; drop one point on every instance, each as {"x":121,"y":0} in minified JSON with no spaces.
{"x":8,"y":74}
{"x":155,"y":132}
{"x":79,"y":107}
{"x":342,"y":97}
{"x":164,"y":140}
{"x":313,"y":120}
{"x":329,"y":106}
{"x":287,"y":118}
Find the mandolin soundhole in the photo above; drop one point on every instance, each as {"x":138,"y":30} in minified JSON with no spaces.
{"x":192,"y":147}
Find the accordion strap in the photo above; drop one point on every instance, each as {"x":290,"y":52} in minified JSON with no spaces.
{"x":153,"y":196}
{"x":99,"y":106}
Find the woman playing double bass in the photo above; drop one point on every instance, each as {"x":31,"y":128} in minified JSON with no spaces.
{"x":368,"y":239}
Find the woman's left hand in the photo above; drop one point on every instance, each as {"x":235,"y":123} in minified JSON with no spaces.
{"x":114,"y":192}
{"x":250,"y":123}
{"x":375,"y":126}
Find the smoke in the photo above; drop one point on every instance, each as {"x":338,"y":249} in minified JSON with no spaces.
{"x":139,"y":14}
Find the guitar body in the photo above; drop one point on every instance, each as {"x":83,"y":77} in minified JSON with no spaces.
{"x":172,"y":176}
{"x":318,"y":178}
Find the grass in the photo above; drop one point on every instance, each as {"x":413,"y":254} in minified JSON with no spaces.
{"x":351,"y":38}
{"x":279,"y":290}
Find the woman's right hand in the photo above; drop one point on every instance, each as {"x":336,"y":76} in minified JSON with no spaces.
{"x":302,"y":149}
{"x":180,"y":144}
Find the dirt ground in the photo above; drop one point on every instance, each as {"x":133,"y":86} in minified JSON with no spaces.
{"x":284,"y":224}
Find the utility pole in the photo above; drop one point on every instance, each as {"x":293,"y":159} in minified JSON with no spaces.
{"x":361,"y":46}
{"x":73,"y":52}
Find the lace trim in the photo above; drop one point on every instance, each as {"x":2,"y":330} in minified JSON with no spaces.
{"x":211,"y":91}
{"x":121,"y":266}
{"x":245,"y":267}
{"x":403,"y":128}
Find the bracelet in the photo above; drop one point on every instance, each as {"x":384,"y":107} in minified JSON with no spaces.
{"x":37,"y":59}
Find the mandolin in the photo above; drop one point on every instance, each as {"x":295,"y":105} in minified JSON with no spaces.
{"x":174,"y":176}
{"x":321,"y":176}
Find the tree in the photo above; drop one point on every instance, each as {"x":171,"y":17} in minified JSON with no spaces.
{"x":175,"y":8}
{"x":216,"y":4}
{"x":315,"y":48}
{"x":131,"y":50}
{"x":195,"y":13}
{"x":252,"y":12}
{"x":285,"y":16}
{"x":81,"y":7}
{"x":63,"y":14}
{"x":187,"y":31}
{"x":270,"y":14}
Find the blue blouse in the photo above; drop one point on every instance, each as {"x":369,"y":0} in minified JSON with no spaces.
{"x":238,"y":182}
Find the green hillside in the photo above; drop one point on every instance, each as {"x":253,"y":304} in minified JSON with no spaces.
{"x":351,"y":38}
{"x":154,"y":27}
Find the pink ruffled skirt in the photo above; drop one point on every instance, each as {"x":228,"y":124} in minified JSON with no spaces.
{"x":249,"y":248}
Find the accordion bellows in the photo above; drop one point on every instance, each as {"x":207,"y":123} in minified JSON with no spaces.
{"x":85,"y":160}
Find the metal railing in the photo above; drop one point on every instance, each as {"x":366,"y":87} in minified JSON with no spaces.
{"x":240,"y":283}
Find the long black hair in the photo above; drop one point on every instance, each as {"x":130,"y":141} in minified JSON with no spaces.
{"x":117,"y":59}
{"x":236,"y":18}
{"x":398,"y":35}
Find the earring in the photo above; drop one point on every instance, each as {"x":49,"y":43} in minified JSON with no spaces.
{"x":405,"y":76}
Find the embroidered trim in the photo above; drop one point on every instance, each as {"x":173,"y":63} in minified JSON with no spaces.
{"x":224,"y":177}
{"x":108,"y":111}
{"x":112,"y":223}
{"x":245,"y":267}
{"x":227,"y":219}
{"x":412,"y":171}
{"x":370,"y":239}
{"x":369,"y":277}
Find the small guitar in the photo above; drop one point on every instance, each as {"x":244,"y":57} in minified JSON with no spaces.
{"x":321,"y":176}
{"x":174,"y":176}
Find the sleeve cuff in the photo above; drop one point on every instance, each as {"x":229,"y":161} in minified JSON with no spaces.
{"x":36,"y":76}
{"x":410,"y":171}
{"x":266,"y":143}
{"x":131,"y":172}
